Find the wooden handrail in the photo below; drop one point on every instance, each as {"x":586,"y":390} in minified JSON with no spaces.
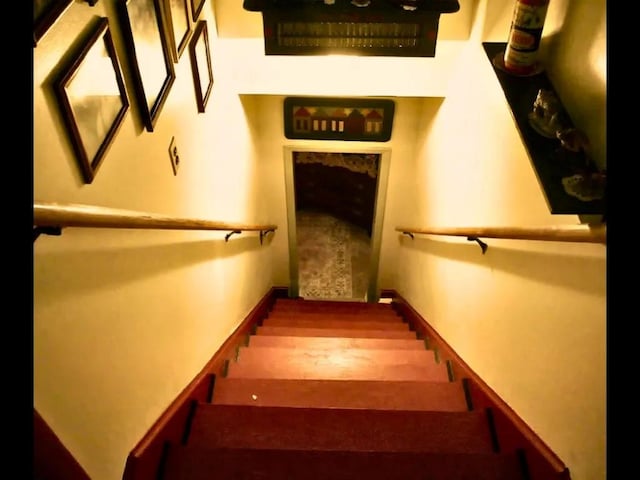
{"x":54,"y":215}
{"x":596,"y":233}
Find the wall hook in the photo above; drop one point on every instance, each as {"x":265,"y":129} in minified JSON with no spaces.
{"x":483,"y":245}
{"x":409,"y":234}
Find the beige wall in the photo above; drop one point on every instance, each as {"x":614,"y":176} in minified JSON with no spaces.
{"x":528,"y":317}
{"x":123,"y":320}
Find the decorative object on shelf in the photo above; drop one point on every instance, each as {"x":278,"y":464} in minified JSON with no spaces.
{"x":149,"y":53}
{"x":520,"y":55}
{"x":201,"y":65}
{"x":338,"y":118}
{"x":546,"y":117}
{"x":553,"y":157}
{"x":178,"y":21}
{"x":586,"y":186}
{"x":93,"y":99}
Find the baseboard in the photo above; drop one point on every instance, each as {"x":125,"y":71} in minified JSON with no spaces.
{"x":513,"y":433}
{"x":144,"y":461}
{"x":51,"y":459}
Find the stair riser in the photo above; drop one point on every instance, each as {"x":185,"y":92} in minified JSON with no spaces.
{"x":231,"y":426}
{"x":186,"y":463}
{"x":329,"y":323}
{"x":335,"y":332}
{"x":335,"y":343}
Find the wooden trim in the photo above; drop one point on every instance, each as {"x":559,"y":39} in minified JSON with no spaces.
{"x":73,"y":215}
{"x":513,"y":433}
{"x":51,"y":459}
{"x":145,"y":459}
{"x":583,"y":233}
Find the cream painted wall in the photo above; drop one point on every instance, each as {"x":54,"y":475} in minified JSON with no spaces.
{"x":528,"y":317}
{"x":123,"y":319}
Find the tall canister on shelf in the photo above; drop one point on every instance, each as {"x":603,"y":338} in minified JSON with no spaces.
{"x":520,"y":56}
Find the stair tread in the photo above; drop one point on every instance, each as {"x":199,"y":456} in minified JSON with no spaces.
{"x":335,"y":323}
{"x":332,"y":356}
{"x":372,"y":394}
{"x":200,"y":463}
{"x":359,"y":364}
{"x":335,"y":332}
{"x":242,"y":426}
{"x":335,"y":342}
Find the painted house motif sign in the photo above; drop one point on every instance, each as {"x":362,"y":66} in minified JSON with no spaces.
{"x":338,"y":118}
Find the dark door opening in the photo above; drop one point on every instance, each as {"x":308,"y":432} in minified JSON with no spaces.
{"x":335,"y":207}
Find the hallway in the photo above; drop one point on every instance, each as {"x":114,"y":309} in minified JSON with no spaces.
{"x":333,"y":257}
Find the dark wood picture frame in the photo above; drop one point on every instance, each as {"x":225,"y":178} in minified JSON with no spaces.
{"x":142,"y":26}
{"x":178,"y":22}
{"x":325,"y":118}
{"x":45,"y":14}
{"x":196,"y":8}
{"x":201,"y":64}
{"x":93,"y":98}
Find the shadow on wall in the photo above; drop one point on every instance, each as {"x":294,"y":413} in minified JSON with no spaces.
{"x":581,"y":273}
{"x":67,"y":274}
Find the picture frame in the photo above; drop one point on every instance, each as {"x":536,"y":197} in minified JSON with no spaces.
{"x":178,"y":24}
{"x":196,"y":8}
{"x":45,"y":14}
{"x":325,"y":118}
{"x":93,"y":98}
{"x":149,"y":53}
{"x":201,"y":64}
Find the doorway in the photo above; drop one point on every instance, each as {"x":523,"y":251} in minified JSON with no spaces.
{"x":335,"y":207}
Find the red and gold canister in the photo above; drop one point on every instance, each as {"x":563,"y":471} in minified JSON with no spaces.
{"x":524,"y":36}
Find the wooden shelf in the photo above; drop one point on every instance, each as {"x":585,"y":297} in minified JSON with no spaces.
{"x":521,"y":93}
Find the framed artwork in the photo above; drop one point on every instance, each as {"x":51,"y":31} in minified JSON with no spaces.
{"x":201,"y":64}
{"x":178,"y":26}
{"x":324,"y":118}
{"x":149,"y":56}
{"x":45,"y":14}
{"x":196,"y":8}
{"x":93,"y":99}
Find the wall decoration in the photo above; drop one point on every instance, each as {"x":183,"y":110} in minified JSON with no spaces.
{"x":150,"y":60}
{"x":178,"y":23}
{"x":362,"y":119}
{"x":45,"y":14}
{"x":201,"y":64}
{"x":196,"y":8}
{"x":93,"y":99}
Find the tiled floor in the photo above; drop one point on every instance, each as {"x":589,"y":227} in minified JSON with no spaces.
{"x":329,"y":249}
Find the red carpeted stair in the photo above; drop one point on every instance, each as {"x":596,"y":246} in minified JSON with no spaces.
{"x":338,"y":391}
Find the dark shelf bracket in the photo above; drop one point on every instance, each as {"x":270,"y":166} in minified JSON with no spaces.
{"x":263,"y":233}
{"x":226,"y":237}
{"x":409,"y":234}
{"x":483,"y":245}
{"x":37,"y":231}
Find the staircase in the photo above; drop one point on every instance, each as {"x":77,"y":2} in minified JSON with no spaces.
{"x":339,"y":391}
